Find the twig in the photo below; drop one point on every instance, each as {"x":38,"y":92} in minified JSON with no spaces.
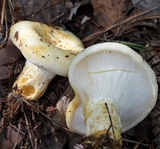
{"x":38,"y":111}
{"x":36,"y":12}
{"x":15,"y":144}
{"x":7,"y":116}
{"x":108,"y":37}
{"x":58,"y":16}
{"x":41,"y":8}
{"x":28,"y":126}
{"x":132,"y":18}
{"x":150,"y":17}
{"x":110,"y":118}
{"x":3,"y":13}
{"x":11,"y":7}
{"x":136,"y":146}
{"x":17,"y":129}
{"x":4,"y":18}
{"x":136,"y":142}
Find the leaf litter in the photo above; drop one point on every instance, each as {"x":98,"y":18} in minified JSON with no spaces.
{"x":41,"y":124}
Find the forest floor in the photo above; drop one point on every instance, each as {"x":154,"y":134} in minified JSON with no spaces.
{"x":39,"y":124}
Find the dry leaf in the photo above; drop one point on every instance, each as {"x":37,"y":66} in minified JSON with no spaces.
{"x":108,"y":12}
{"x":5,"y":73}
{"x":73,"y":11}
{"x":11,"y":137}
{"x":9,"y":54}
{"x":85,"y":18}
{"x":147,"y":5}
{"x":42,"y":11}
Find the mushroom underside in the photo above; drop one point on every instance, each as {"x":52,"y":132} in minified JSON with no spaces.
{"x":117,"y":75}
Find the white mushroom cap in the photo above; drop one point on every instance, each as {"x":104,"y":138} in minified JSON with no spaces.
{"x":117,"y":73}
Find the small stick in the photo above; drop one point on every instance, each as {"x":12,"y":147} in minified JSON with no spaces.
{"x":28,"y":127}
{"x":117,"y":24}
{"x":110,"y":120}
{"x":3,"y":13}
{"x":136,"y":142}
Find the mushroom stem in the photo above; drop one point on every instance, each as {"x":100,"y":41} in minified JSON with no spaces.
{"x":102,"y":119}
{"x":33,"y":81}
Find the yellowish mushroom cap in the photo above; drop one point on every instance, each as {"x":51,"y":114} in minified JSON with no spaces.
{"x":45,"y":46}
{"x":48,"y":51}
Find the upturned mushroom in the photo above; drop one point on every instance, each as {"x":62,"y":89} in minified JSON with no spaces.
{"x":115,"y":89}
{"x":48,"y":51}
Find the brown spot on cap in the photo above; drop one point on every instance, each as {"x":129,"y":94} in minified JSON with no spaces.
{"x":16,"y":35}
{"x":43,"y":56}
{"x":67,"y":56}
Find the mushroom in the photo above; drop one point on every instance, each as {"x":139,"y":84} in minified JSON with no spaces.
{"x":115,"y":89}
{"x":48,"y":51}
